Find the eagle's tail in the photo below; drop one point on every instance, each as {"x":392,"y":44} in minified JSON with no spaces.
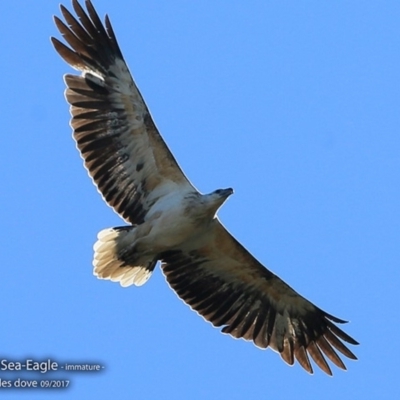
{"x":109,"y":264}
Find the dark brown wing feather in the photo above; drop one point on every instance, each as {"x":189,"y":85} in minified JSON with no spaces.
{"x":115,"y":134}
{"x":225,"y":284}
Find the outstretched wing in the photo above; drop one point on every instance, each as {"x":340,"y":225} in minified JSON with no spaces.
{"x":123,"y":152}
{"x":225,"y":284}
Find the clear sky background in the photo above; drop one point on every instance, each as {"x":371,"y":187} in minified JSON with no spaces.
{"x":295,"y":105}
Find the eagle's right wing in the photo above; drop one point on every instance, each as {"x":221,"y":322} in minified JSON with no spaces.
{"x":123,"y":152}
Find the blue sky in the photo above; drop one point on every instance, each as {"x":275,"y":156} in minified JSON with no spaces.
{"x":293,"y":104}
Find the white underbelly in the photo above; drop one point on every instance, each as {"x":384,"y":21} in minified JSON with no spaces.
{"x":170,"y":230}
{"x":171,"y":225}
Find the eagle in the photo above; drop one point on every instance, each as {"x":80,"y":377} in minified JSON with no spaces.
{"x":168,"y":220}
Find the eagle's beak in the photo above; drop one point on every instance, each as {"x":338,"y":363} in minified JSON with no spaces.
{"x":227,"y":192}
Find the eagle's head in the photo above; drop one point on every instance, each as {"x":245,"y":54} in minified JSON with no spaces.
{"x":215,"y":199}
{"x":203,"y":207}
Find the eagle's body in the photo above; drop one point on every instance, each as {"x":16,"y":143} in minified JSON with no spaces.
{"x":179,"y":220}
{"x":169,"y":220}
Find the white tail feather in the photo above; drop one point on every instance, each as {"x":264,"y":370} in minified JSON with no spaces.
{"x":108,"y":266}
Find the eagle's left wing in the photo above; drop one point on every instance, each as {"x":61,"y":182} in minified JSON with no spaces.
{"x":225,"y":284}
{"x":123,"y":152}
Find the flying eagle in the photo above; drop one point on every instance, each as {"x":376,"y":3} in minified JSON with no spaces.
{"x":169,"y":219}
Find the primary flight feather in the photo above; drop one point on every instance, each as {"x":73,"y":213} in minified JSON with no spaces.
{"x":169,"y":220}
